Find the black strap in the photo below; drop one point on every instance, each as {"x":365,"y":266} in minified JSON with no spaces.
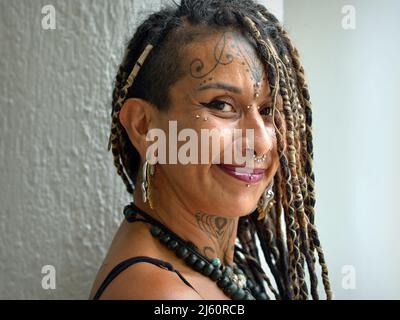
{"x":128,"y":262}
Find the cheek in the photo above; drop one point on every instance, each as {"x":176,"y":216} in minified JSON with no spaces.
{"x":181,"y":173}
{"x":272,"y":137}
{"x":214,"y":136}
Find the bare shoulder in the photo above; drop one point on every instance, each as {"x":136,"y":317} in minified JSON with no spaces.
{"x":145,"y":281}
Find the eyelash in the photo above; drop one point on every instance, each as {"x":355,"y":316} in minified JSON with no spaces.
{"x":270,"y":111}
{"x":212,"y":104}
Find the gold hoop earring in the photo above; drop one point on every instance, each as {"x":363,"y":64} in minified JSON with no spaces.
{"x":266,"y":202}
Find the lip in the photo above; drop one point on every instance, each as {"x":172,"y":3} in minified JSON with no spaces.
{"x":248,"y":175}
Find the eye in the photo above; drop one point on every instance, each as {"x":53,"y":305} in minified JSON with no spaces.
{"x":266,"y":111}
{"x":219,"y":105}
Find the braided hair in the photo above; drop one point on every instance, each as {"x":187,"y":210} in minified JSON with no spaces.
{"x":288,"y":236}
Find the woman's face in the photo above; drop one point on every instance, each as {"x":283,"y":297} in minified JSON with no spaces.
{"x":222,"y":77}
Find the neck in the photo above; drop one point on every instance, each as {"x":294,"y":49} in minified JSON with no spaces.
{"x":213,"y":235}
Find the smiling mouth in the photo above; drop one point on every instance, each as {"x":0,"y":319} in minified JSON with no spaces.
{"x":248,"y":175}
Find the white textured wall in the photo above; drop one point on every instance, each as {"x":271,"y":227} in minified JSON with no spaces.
{"x":354,"y":77}
{"x":60,"y":198}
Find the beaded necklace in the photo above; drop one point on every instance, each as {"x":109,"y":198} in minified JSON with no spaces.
{"x":231,"y":281}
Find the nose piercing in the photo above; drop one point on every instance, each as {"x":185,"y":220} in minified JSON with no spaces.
{"x":260,"y":158}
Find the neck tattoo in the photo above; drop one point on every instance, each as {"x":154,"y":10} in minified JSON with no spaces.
{"x":220,"y":231}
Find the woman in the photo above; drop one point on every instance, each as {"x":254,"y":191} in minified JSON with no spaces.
{"x":190,"y":232}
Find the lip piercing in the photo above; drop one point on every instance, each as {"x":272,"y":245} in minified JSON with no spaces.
{"x":205,"y":118}
{"x":197,"y":116}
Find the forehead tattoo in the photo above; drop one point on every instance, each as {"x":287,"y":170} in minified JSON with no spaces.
{"x":230,"y":46}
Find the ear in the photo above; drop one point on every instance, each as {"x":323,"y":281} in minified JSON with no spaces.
{"x":136,"y":116}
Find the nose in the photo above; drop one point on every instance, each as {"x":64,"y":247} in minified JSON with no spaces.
{"x":263,"y":134}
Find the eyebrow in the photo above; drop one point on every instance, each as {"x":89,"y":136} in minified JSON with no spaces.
{"x":220,"y":85}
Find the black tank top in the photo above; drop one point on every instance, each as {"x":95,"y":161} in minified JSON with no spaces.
{"x":128,"y":262}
